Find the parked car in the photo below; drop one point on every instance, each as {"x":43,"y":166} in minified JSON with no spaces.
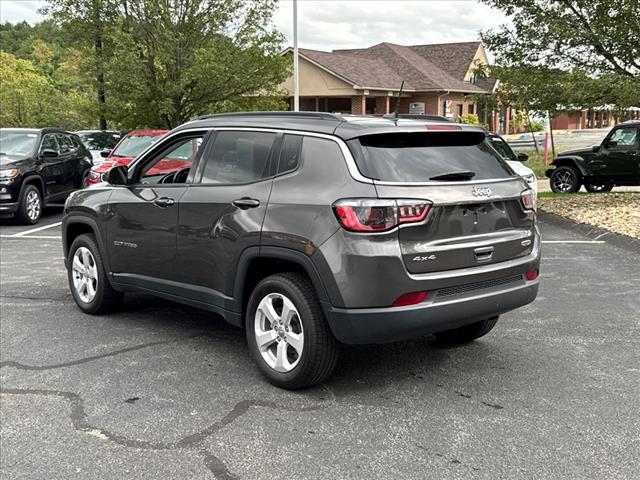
{"x":514,"y":160}
{"x":98,"y":140}
{"x":129,"y":147}
{"x":38,"y":166}
{"x":310,"y":229}
{"x":615,"y":162}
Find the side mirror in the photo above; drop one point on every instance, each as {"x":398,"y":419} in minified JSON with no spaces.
{"x":105,"y":153}
{"x":595,"y":148}
{"x":522,"y":157}
{"x":116,"y":176}
{"x":48,"y":153}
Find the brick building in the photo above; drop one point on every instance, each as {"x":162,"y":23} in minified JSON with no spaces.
{"x":438,"y":79}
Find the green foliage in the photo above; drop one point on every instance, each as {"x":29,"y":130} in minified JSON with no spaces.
{"x":598,"y":36}
{"x":144,"y":63}
{"x":536,"y":126}
{"x":517,"y":121}
{"x":469,"y":119}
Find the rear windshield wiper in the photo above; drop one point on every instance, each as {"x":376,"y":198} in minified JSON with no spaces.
{"x":462,"y":175}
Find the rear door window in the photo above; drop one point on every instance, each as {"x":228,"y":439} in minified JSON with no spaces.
{"x":420,"y":156}
{"x":290,"y":153}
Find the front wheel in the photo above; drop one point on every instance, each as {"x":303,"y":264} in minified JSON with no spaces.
{"x":288,"y":336}
{"x":598,"y":187}
{"x":30,"y":206}
{"x":565,"y":180}
{"x":468,"y":333}
{"x":87,"y":277}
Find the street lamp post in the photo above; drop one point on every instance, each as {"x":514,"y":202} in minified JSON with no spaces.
{"x":296,"y":75}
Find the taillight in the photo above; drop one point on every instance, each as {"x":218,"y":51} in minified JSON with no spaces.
{"x":531,"y":275}
{"x":528,"y":199}
{"x":409,"y":299}
{"x":375,"y":215}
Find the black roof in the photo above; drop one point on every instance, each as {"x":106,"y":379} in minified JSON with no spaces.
{"x":343,"y":126}
{"x":38,"y":130}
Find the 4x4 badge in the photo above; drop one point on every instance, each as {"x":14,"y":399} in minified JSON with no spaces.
{"x":481,"y":192}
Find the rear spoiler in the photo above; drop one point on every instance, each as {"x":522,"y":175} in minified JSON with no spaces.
{"x":431,"y":137}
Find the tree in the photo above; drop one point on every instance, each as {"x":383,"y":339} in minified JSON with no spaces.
{"x":184,"y":58}
{"x":88,"y":22}
{"x":28,"y":96}
{"x":597,"y":36}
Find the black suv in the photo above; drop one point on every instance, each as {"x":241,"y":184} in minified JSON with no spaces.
{"x":616,"y":162}
{"x":310,"y":229}
{"x":39,"y":166}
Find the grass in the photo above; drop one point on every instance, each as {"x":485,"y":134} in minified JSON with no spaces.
{"x":536,"y":163}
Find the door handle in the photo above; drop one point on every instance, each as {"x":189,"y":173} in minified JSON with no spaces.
{"x":164,"y":201}
{"x":245,"y":202}
{"x":483,"y":254}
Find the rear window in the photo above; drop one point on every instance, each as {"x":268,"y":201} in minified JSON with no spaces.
{"x":419,"y":156}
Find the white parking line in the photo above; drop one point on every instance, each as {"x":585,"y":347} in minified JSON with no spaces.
{"x":574,"y":241}
{"x":33,"y":230}
{"x":41,"y":237}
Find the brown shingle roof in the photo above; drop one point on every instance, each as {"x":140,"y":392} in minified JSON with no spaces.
{"x":386,"y":65}
{"x":453,"y":58}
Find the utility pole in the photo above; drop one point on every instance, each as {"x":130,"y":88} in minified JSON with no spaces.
{"x":296,"y":74}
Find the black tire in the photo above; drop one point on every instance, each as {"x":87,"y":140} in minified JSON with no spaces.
{"x":565,"y":179}
{"x":106,"y":298}
{"x":320,"y":348}
{"x":598,"y":187}
{"x":26,"y":214}
{"x":468,"y":333}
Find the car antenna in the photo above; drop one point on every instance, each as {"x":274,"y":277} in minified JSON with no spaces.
{"x":395,"y":114}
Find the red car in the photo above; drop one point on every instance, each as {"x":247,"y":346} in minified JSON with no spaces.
{"x":130,"y":147}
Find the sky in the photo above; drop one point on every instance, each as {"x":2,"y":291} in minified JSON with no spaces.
{"x":327,"y":25}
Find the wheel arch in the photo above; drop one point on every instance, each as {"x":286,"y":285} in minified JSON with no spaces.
{"x":256,"y":263}
{"x":571,"y":161}
{"x":76,"y":225}
{"x":36,"y":181}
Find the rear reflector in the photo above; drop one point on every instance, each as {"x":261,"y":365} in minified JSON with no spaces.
{"x":409,"y":299}
{"x":532,"y":274}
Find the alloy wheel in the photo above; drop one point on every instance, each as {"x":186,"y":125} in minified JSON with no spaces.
{"x":85,"y":274}
{"x":278,"y":332}
{"x":564,"y":181}
{"x":33,"y":205}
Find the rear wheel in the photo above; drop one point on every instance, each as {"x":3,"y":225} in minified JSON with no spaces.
{"x":565,"y":179}
{"x":287,"y":334}
{"x":30,"y":206}
{"x":598,"y":187}
{"x":468,"y":333}
{"x":87,"y":277}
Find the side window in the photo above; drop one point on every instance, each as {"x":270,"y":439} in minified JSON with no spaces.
{"x":623,"y":137}
{"x":65,"y":143}
{"x":238,"y":157}
{"x":173,"y":163}
{"x":49,"y":143}
{"x":290,"y":153}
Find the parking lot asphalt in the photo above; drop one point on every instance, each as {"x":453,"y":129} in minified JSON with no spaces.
{"x":161,"y":390}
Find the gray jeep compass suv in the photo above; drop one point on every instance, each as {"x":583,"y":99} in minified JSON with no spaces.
{"x":310,"y":229}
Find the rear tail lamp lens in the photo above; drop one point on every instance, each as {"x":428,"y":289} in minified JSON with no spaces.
{"x":410,"y":299}
{"x":373,"y":215}
{"x":532,"y":274}
{"x":528,"y":198}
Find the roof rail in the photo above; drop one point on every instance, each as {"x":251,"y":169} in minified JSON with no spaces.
{"x":310,"y":115}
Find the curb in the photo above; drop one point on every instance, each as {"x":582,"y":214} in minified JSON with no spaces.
{"x":595,"y":233}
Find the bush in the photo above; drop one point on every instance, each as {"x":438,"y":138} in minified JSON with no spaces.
{"x":537,"y":126}
{"x":469,"y":119}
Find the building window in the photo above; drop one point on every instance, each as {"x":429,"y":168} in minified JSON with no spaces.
{"x":460,"y":106}
{"x":471,"y":109}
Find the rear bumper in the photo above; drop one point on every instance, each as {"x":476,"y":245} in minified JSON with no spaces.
{"x":437,"y":313}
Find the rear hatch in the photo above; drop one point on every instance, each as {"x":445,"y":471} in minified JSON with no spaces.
{"x":477,"y":215}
